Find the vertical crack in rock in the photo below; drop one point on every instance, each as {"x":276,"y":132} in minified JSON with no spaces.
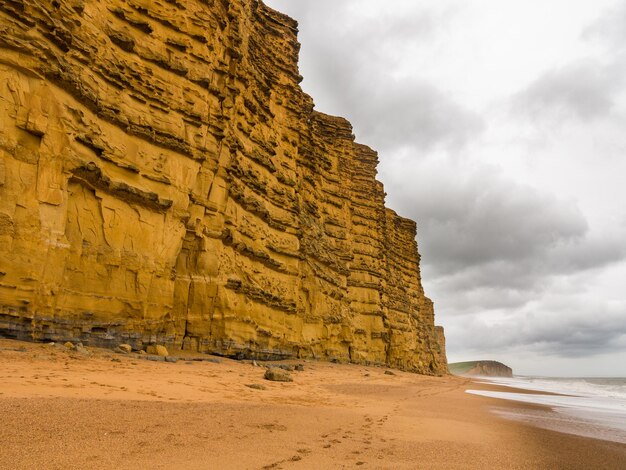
{"x":163,"y":178}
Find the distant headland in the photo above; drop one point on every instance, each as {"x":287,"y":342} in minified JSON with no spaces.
{"x":484,"y":368}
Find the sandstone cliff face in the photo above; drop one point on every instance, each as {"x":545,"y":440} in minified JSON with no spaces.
{"x":163,"y":179}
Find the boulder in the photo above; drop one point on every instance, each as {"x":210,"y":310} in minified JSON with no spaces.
{"x":157,"y":350}
{"x":277,"y":375}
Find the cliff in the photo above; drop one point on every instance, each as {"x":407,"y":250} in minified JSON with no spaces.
{"x":164,"y":179}
{"x":481,"y":368}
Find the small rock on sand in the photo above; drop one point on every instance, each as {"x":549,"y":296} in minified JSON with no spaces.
{"x":154,"y":357}
{"x":277,"y":375}
{"x":126,"y":348}
{"x":256,"y":386}
{"x":388,"y":372}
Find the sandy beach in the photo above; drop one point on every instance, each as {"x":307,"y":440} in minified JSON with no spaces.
{"x":65,"y":409}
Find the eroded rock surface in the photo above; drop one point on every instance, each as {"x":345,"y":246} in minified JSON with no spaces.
{"x":164,"y":179}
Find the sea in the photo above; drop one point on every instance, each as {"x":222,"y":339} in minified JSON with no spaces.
{"x":586,"y":406}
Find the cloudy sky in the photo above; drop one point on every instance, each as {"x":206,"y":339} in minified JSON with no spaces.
{"x":500,"y":127}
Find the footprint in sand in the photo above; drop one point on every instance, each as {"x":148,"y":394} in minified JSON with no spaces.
{"x":272,"y":465}
{"x":271,"y":427}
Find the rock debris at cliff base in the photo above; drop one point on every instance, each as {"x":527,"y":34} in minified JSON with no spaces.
{"x":164,"y":179}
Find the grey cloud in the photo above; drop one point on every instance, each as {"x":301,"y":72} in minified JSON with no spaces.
{"x":452,"y":300}
{"x":584,"y":90}
{"x":476,"y":217}
{"x":412,"y":114}
{"x":610,"y":27}
{"x":348,"y":19}
{"x":389,"y":113}
{"x":349,"y":71}
{"x":571,"y":327}
{"x":591,"y":252}
{"x":488,"y":242}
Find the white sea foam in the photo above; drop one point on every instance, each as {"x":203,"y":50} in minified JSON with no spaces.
{"x":594,"y":407}
{"x":611,"y":387}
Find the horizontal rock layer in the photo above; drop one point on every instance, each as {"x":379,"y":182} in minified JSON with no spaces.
{"x":164,"y":179}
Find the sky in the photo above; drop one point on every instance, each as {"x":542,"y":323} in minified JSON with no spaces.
{"x":500,"y":129}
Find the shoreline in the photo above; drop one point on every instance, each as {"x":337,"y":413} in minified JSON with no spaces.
{"x":65,"y":410}
{"x":590,"y":411}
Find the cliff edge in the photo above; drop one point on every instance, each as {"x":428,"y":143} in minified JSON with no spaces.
{"x":164,"y":179}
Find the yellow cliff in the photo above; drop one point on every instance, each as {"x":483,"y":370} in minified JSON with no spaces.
{"x":164,"y":179}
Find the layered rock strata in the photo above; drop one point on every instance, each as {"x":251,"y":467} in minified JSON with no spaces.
{"x":164,"y":179}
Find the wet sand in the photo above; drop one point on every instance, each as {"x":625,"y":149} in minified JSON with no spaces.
{"x":63,"y":409}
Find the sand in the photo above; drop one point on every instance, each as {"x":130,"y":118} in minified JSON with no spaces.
{"x":63,"y":409}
